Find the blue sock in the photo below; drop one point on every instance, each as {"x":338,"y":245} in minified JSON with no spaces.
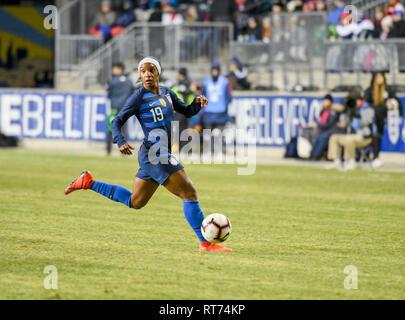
{"x":113,"y":192}
{"x":194,"y":216}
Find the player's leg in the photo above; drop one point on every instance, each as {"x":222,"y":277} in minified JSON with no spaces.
{"x":143,"y":190}
{"x":180,"y":184}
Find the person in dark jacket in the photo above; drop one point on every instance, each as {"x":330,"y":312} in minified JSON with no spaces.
{"x":254,"y":30}
{"x":183,"y":91}
{"x":381,"y":98}
{"x":119,"y":89}
{"x":223,"y":10}
{"x":126,"y":16}
{"x":378,"y":16}
{"x":238,"y":75}
{"x":359,"y":122}
{"x":398,"y":29}
{"x":326,"y":125}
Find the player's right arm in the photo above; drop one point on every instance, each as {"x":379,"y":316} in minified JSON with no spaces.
{"x":126,"y":112}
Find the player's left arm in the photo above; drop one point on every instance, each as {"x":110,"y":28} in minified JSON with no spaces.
{"x":190,"y":110}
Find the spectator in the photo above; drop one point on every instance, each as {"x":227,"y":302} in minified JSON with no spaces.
{"x":393,"y":6}
{"x":241,"y":5}
{"x":335,"y":12}
{"x":192,"y":14}
{"x":152,"y":3}
{"x":224,"y":10}
{"x":237,"y":75}
{"x":291,"y":6}
{"x":326,"y":126}
{"x":378,"y":16}
{"x":141,"y":4}
{"x":125,"y":18}
{"x":156,"y":15}
{"x":364,"y":26}
{"x":169,"y":15}
{"x":254,"y":31}
{"x":386,"y":26}
{"x":298,"y":5}
{"x":359,"y":132}
{"x":127,"y":15}
{"x":382,"y":99}
{"x":277,"y":7}
{"x":266,"y":25}
{"x":218,"y":90}
{"x":320,"y":6}
{"x":398,"y":28}
{"x":309,"y":6}
{"x":119,"y":89}
{"x":103,"y":20}
{"x":346,"y":29}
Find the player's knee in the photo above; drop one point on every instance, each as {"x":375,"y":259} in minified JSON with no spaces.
{"x":137,"y":204}
{"x":190,"y":194}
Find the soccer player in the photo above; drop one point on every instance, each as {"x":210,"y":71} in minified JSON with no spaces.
{"x":153,"y":105}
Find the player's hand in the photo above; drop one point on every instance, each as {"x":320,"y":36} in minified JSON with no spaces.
{"x":202,"y":100}
{"x":126,"y":149}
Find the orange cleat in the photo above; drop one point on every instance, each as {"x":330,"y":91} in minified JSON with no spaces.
{"x":209,"y":246}
{"x":84,"y":181}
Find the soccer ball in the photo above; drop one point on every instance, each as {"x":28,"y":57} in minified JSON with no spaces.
{"x":216,"y":228}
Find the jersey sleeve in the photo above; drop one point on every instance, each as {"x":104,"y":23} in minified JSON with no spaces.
{"x":181,"y":107}
{"x":130,"y":108}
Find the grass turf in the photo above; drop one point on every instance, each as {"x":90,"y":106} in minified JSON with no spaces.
{"x":294,"y":231}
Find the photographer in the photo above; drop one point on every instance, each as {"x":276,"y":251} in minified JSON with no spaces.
{"x":357,"y":121}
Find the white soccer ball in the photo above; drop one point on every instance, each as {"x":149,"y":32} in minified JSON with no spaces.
{"x":216,"y":228}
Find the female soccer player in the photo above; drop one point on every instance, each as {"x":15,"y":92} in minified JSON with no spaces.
{"x":153,"y":105}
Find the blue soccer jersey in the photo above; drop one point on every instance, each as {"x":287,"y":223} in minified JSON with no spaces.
{"x":155,"y":114}
{"x":154,"y":111}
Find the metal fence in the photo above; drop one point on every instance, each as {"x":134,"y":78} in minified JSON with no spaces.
{"x":73,"y":44}
{"x":192,"y":45}
{"x":71,"y":50}
{"x":299,"y":56}
{"x":296,"y":49}
{"x":364,"y":57}
{"x":367,"y":7}
{"x":77,"y":16}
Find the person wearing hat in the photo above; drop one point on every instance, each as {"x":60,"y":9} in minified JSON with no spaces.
{"x":326,"y":126}
{"x":358,"y":125}
{"x":105,"y":18}
{"x":237,"y":75}
{"x":218,"y":91}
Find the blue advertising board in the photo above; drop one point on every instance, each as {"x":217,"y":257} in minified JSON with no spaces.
{"x":54,"y":115}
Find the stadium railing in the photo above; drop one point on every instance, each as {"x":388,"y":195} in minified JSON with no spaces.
{"x":296,"y":49}
{"x":191,"y":45}
{"x":71,"y":50}
{"x":300,"y":57}
{"x":367,"y":7}
{"x":72,"y":41}
{"x":364,"y":57}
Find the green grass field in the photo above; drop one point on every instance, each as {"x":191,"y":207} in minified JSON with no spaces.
{"x":294,"y":231}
